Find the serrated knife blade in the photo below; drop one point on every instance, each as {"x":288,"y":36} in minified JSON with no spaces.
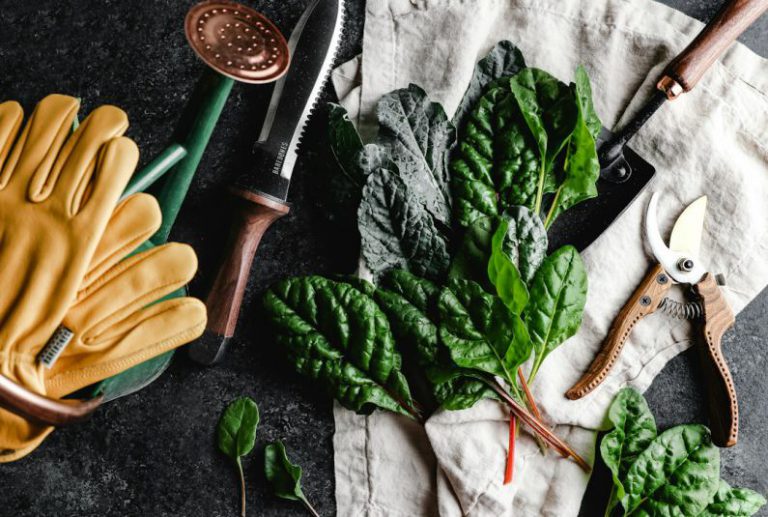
{"x":261,"y":192}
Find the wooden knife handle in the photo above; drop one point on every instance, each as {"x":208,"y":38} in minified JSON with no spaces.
{"x":686,"y":69}
{"x":723,"y":406}
{"x":644,"y":301}
{"x":253,"y":215}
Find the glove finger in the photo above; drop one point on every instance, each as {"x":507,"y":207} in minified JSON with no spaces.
{"x":134,"y":221}
{"x":146,"y":334}
{"x":116,"y":164}
{"x":131,"y":285}
{"x":45,"y":133}
{"x":11,"y":116}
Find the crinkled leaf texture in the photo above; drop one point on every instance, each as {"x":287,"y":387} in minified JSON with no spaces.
{"x":677,"y":474}
{"x":633,"y":429}
{"x":733,"y":502}
{"x":557,"y":297}
{"x":336,"y":334}
{"x":418,"y":136}
{"x":282,"y":475}
{"x":236,"y":432}
{"x":397,"y":230}
{"x":410,"y":303}
{"x":504,"y":60}
{"x":480,"y":332}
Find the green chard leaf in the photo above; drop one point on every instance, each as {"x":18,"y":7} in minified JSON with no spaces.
{"x":397,"y":231}
{"x":336,"y":334}
{"x":503,"y":273}
{"x":558,"y":294}
{"x":677,"y":474}
{"x":346,"y":144}
{"x":733,"y":502}
{"x":471,"y":260}
{"x":480,"y":332}
{"x":283,"y":476}
{"x":418,"y":137}
{"x":581,"y":168}
{"x":633,"y":429}
{"x":410,"y":303}
{"x":504,"y":60}
{"x":236,"y":435}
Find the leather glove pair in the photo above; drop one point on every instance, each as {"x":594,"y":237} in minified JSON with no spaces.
{"x":62,"y":246}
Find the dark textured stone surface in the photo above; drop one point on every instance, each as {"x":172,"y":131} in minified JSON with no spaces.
{"x":153,"y":453}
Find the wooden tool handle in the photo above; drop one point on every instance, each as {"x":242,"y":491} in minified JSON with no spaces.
{"x":254,"y":215}
{"x":644,"y":301}
{"x":686,"y":69}
{"x":723,"y":406}
{"x":43,"y":410}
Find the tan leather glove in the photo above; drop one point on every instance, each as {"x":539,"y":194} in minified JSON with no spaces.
{"x":56,"y":196}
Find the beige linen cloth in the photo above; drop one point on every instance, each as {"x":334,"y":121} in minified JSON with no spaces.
{"x":710,"y":141}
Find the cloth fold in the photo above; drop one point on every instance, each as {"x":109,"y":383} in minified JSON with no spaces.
{"x":706,"y":142}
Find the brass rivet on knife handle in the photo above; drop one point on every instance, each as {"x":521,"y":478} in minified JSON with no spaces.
{"x":722,"y":402}
{"x":689,"y":66}
{"x":237,"y":41}
{"x":37,"y":408}
{"x":644,"y":301}
{"x":253,"y":216}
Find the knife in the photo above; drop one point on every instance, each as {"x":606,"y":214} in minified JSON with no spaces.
{"x":623,"y":172}
{"x":261,"y":194}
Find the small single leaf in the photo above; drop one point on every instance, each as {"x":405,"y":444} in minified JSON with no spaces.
{"x":237,"y":428}
{"x":397,"y":231}
{"x":504,"y":275}
{"x":526,"y":240}
{"x":283,"y":476}
{"x":346,"y":144}
{"x":677,"y":474}
{"x":504,"y":60}
{"x":633,"y":429}
{"x":733,"y":502}
{"x":557,"y":297}
{"x":480,"y":332}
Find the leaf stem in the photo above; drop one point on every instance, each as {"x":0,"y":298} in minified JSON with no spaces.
{"x":611,"y":505}
{"x":540,"y":188}
{"x":536,"y":425}
{"x":510,"y":469}
{"x":309,"y":507}
{"x":242,"y":486}
{"x":550,"y":215}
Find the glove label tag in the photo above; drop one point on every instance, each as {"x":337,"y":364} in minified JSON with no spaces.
{"x":55,"y":346}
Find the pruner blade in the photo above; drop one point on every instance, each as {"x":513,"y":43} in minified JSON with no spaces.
{"x":680,"y":260}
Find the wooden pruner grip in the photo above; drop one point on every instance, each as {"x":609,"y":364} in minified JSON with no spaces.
{"x":644,"y":301}
{"x":689,"y":66}
{"x":253,"y":216}
{"x":722,"y":404}
{"x":44,"y":410}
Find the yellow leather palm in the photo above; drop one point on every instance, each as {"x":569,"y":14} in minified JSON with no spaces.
{"x":58,"y":265}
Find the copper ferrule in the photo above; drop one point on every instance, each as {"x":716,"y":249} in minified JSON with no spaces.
{"x":671,"y":88}
{"x":43,"y":410}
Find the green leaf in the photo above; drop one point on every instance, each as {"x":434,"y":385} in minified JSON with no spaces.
{"x":237,"y":428}
{"x":397,"y":231}
{"x":346,"y":144}
{"x":471,"y":260}
{"x":480,"y":332}
{"x":504,"y":275}
{"x":337,"y":335}
{"x":557,"y":297}
{"x":581,"y":167}
{"x":526,"y":241}
{"x":733,"y":502}
{"x":410,"y":303}
{"x":503,"y":60}
{"x":677,"y":474}
{"x":418,"y":137}
{"x":282,"y":475}
{"x":633,"y":429}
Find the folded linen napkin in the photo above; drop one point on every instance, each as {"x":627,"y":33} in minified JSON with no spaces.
{"x":707,"y":142}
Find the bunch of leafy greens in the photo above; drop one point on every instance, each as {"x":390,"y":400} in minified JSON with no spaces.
{"x":454,"y":235}
{"x":676,"y":472}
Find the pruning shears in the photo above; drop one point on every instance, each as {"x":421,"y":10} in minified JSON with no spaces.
{"x":678,"y":263}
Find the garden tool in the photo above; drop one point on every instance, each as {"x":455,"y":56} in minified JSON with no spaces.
{"x":112,"y":325}
{"x":619,"y":164}
{"x":678,"y":263}
{"x":262,"y":193}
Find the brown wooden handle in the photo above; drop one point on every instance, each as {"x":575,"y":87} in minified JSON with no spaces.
{"x":43,"y":410}
{"x":253,"y":215}
{"x":682,"y":74}
{"x":644,"y":301}
{"x":723,"y":405}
